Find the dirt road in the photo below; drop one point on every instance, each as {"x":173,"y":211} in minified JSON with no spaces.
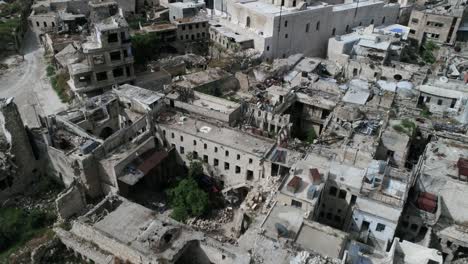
{"x":29,"y":84}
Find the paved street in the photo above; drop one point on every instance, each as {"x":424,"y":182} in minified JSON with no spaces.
{"x":29,"y":85}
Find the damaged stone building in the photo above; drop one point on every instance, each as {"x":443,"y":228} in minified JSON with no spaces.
{"x":107,"y":53}
{"x":19,"y":165}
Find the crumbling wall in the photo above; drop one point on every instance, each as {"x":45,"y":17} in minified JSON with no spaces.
{"x":18,"y":166}
{"x":70,"y":202}
{"x":268,"y":121}
{"x":109,"y":244}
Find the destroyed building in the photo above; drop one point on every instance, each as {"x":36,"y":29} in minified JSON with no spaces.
{"x":148,"y":237}
{"x":19,"y":166}
{"x":108,"y":58}
{"x":379,"y":45}
{"x":58,"y":16}
{"x":439,"y":23}
{"x":109,"y":144}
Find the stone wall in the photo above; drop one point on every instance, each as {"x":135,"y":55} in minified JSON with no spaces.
{"x":18,"y":165}
{"x":70,"y":202}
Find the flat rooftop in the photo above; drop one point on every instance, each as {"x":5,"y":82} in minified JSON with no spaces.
{"x":346,"y":175}
{"x":322,"y":239}
{"x":159,"y":28}
{"x":439,"y":175}
{"x":217,"y":133}
{"x":268,"y":9}
{"x":378,"y":209}
{"x":227,"y":32}
{"x":288,"y":216}
{"x":215,"y":103}
{"x":139,"y":94}
{"x":196,"y":79}
{"x":301,"y":169}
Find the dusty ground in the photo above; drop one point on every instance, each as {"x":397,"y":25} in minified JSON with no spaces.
{"x":29,"y":85}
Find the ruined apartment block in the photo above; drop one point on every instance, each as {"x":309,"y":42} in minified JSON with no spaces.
{"x":108,"y":58}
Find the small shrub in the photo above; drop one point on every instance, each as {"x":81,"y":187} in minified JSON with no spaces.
{"x":408,"y":124}
{"x":398,"y":128}
{"x":425,"y":112}
{"x":50,"y":70}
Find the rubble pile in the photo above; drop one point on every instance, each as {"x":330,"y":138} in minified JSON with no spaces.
{"x":212,"y":224}
{"x":305,"y":257}
{"x":7,"y":166}
{"x":253,"y":200}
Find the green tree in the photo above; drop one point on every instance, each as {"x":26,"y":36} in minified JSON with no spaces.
{"x":187,"y":199}
{"x":195,"y":169}
{"x":427,"y":53}
{"x":146,"y":47}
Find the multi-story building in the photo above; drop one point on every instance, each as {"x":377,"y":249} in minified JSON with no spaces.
{"x":57,"y":15}
{"x":108,"y":55}
{"x":283,"y":28}
{"x":438,"y":24}
{"x":233,"y":157}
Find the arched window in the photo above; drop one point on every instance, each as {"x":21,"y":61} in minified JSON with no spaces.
{"x":307,"y":27}
{"x":45,"y":24}
{"x":285,"y":23}
{"x":372,"y":21}
{"x":317,"y":27}
{"x":333,"y":31}
{"x":383,"y":20}
{"x":247,"y":23}
{"x":37,"y":23}
{"x":53,"y":24}
{"x":347,"y":28}
{"x":294,"y":3}
{"x":282,"y":2}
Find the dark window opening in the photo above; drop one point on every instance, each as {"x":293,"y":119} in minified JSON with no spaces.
{"x":380,"y":227}
{"x":342,"y":194}
{"x":113,"y":37}
{"x":296,"y":204}
{"x":250,"y":175}
{"x":118,"y":72}
{"x":115,"y":56}
{"x":452,"y":104}
{"x":101,"y":76}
